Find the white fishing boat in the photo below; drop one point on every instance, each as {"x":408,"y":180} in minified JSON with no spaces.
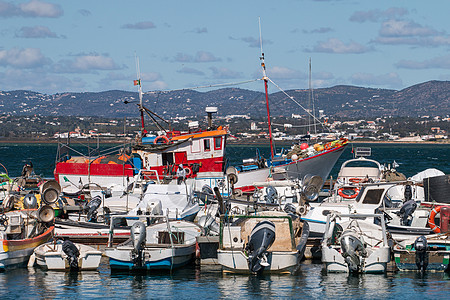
{"x":160,"y":246}
{"x":64,"y":256}
{"x":356,"y":245}
{"x":404,"y":217}
{"x":199,"y":151}
{"x":268,"y":241}
{"x":353,"y":173}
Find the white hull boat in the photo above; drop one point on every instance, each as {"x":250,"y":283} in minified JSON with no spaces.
{"x":162,"y":246}
{"x":273,"y":243}
{"x":355,"y":246}
{"x":52,"y":256}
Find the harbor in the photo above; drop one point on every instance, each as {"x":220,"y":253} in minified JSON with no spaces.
{"x":309,"y":280}
{"x":216,"y":162}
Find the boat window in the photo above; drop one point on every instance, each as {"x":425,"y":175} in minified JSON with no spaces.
{"x":217,"y":143}
{"x":195,"y":147}
{"x":373,"y":196}
{"x":206,"y":144}
{"x":167,"y":159}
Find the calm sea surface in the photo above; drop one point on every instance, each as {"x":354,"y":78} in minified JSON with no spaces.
{"x":209,"y":282}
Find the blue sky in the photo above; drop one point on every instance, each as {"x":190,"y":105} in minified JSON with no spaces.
{"x":51,"y":46}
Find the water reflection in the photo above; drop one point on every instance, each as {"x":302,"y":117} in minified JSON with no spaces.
{"x":209,"y":282}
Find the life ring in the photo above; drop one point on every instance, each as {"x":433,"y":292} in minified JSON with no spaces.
{"x":431,"y":222}
{"x":355,"y":180}
{"x":188,"y":171}
{"x":347,"y":195}
{"x":165,"y":140}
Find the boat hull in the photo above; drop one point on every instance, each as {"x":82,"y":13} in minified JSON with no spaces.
{"x":317,"y":165}
{"x":279,"y":261}
{"x":405,"y":260}
{"x":155,"y":258}
{"x":16,"y":253}
{"x":53,"y":258}
{"x":376,"y":262}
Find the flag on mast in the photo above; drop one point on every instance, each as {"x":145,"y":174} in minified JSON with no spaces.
{"x":137,"y":82}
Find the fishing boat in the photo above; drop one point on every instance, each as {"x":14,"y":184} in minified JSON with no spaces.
{"x":21,"y":231}
{"x":268,"y":241}
{"x":300,"y":161}
{"x":166,"y":245}
{"x":356,"y":245}
{"x":65,"y":256}
{"x":353,"y":173}
{"x":404,"y":217}
{"x":426,"y":253}
{"x":199,"y":151}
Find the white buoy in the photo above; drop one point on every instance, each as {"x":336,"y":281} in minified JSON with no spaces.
{"x":294,"y":157}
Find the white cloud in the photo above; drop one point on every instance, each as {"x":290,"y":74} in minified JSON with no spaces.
{"x":334,"y":45}
{"x":88,"y":63}
{"x":224,"y":73}
{"x":23,"y":58}
{"x":200,"y":57}
{"x":390,"y":80}
{"x":36,"y":8}
{"x":441,"y":62}
{"x":36,"y":32}
{"x":396,"y":28}
{"x":140,"y":25}
{"x":376,"y":15}
{"x":190,"y":71}
{"x":285,"y":73}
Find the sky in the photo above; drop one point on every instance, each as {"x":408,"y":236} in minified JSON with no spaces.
{"x":51,"y":46}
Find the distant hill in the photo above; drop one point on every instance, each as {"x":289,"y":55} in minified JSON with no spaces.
{"x":428,"y":98}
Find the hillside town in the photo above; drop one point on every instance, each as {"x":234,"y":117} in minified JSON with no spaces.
{"x":243,"y":128}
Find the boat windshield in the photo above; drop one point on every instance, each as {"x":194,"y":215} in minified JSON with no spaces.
{"x":372,"y":196}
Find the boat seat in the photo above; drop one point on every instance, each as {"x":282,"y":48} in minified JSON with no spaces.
{"x":360,"y":172}
{"x":282,"y":241}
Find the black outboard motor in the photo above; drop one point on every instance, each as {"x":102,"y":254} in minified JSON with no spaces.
{"x":72,"y":253}
{"x":261,"y":238}
{"x":91,"y":208}
{"x":406,"y":212}
{"x":421,"y":247}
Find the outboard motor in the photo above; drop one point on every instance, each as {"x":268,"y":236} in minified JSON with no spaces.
{"x":271,"y":195}
{"x":406,"y":212}
{"x":261,"y":238}
{"x":72,"y":253}
{"x":421,"y":246}
{"x":91,"y":208}
{"x":352,"y":247}
{"x":138,"y":237}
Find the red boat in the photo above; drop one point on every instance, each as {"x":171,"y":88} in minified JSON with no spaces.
{"x":154,"y":157}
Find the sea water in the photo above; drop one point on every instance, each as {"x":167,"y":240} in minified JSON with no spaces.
{"x":208,"y":282}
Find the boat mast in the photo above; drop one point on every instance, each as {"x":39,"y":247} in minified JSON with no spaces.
{"x":312,"y":98}
{"x":141,"y":107}
{"x":263,"y":65}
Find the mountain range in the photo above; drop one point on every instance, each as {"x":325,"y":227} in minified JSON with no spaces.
{"x":430,"y":98}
